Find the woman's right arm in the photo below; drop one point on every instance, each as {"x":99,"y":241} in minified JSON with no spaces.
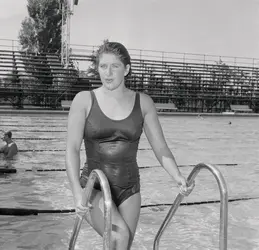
{"x":75,"y":131}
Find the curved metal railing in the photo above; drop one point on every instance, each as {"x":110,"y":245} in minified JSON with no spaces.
{"x":223,"y":205}
{"x":95,"y":174}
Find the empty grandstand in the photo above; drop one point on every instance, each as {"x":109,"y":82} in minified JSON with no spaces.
{"x":193,"y":84}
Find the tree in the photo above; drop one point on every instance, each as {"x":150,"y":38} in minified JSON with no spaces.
{"x":40,"y":34}
{"x":92,"y":69}
{"x":28,"y":36}
{"x":41,"y":31}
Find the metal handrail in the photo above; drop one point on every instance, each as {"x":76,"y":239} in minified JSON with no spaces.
{"x":223,"y":205}
{"x":95,"y":174}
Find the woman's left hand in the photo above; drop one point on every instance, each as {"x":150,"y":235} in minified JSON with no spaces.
{"x":182,"y":184}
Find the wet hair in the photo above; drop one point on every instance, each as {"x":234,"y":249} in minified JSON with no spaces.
{"x":114,"y":48}
{"x":9,"y":134}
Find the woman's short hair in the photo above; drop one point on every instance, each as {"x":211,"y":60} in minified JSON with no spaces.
{"x":114,"y":48}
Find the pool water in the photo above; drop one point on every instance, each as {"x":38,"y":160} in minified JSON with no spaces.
{"x":233,"y":148}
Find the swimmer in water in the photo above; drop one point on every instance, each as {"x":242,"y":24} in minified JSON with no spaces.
{"x":10,"y":149}
{"x":110,"y":120}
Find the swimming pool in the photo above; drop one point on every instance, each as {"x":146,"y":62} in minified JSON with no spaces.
{"x":233,"y":148}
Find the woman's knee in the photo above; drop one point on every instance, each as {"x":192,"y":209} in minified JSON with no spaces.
{"x":120,"y":237}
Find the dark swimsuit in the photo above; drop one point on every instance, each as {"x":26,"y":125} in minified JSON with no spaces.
{"x":111,"y":146}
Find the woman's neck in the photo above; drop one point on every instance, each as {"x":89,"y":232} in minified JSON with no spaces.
{"x":119,"y":93}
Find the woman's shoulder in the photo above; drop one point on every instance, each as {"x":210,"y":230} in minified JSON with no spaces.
{"x":82,"y":94}
{"x":145,"y":97}
{"x":146,"y":102}
{"x":81,"y":102}
{"x":82,"y":98}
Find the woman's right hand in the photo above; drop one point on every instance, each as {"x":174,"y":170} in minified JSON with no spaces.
{"x":79,"y":207}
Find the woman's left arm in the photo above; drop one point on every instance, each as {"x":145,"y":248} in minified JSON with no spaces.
{"x":155,"y":136}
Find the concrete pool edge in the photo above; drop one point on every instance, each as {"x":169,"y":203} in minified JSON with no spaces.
{"x":9,"y":111}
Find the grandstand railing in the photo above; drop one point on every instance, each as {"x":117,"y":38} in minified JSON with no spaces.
{"x":194,"y":84}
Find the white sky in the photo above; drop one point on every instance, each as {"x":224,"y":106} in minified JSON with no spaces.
{"x":220,"y":27}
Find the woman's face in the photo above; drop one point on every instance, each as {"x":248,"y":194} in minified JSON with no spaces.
{"x":112,"y":71}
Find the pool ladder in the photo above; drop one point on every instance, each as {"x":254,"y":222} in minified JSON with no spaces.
{"x":107,"y":207}
{"x":223,"y":206}
{"x":95,"y":174}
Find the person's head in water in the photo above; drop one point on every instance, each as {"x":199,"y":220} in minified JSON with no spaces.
{"x":7,"y":136}
{"x":113,"y":64}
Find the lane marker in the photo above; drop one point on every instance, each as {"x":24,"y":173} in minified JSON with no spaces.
{"x":27,"y":212}
{"x":145,"y":167}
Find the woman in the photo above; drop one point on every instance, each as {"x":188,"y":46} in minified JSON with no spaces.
{"x":110,"y":120}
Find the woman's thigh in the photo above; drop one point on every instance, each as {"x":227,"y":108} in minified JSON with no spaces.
{"x":130,"y":211}
{"x":97,"y":215}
